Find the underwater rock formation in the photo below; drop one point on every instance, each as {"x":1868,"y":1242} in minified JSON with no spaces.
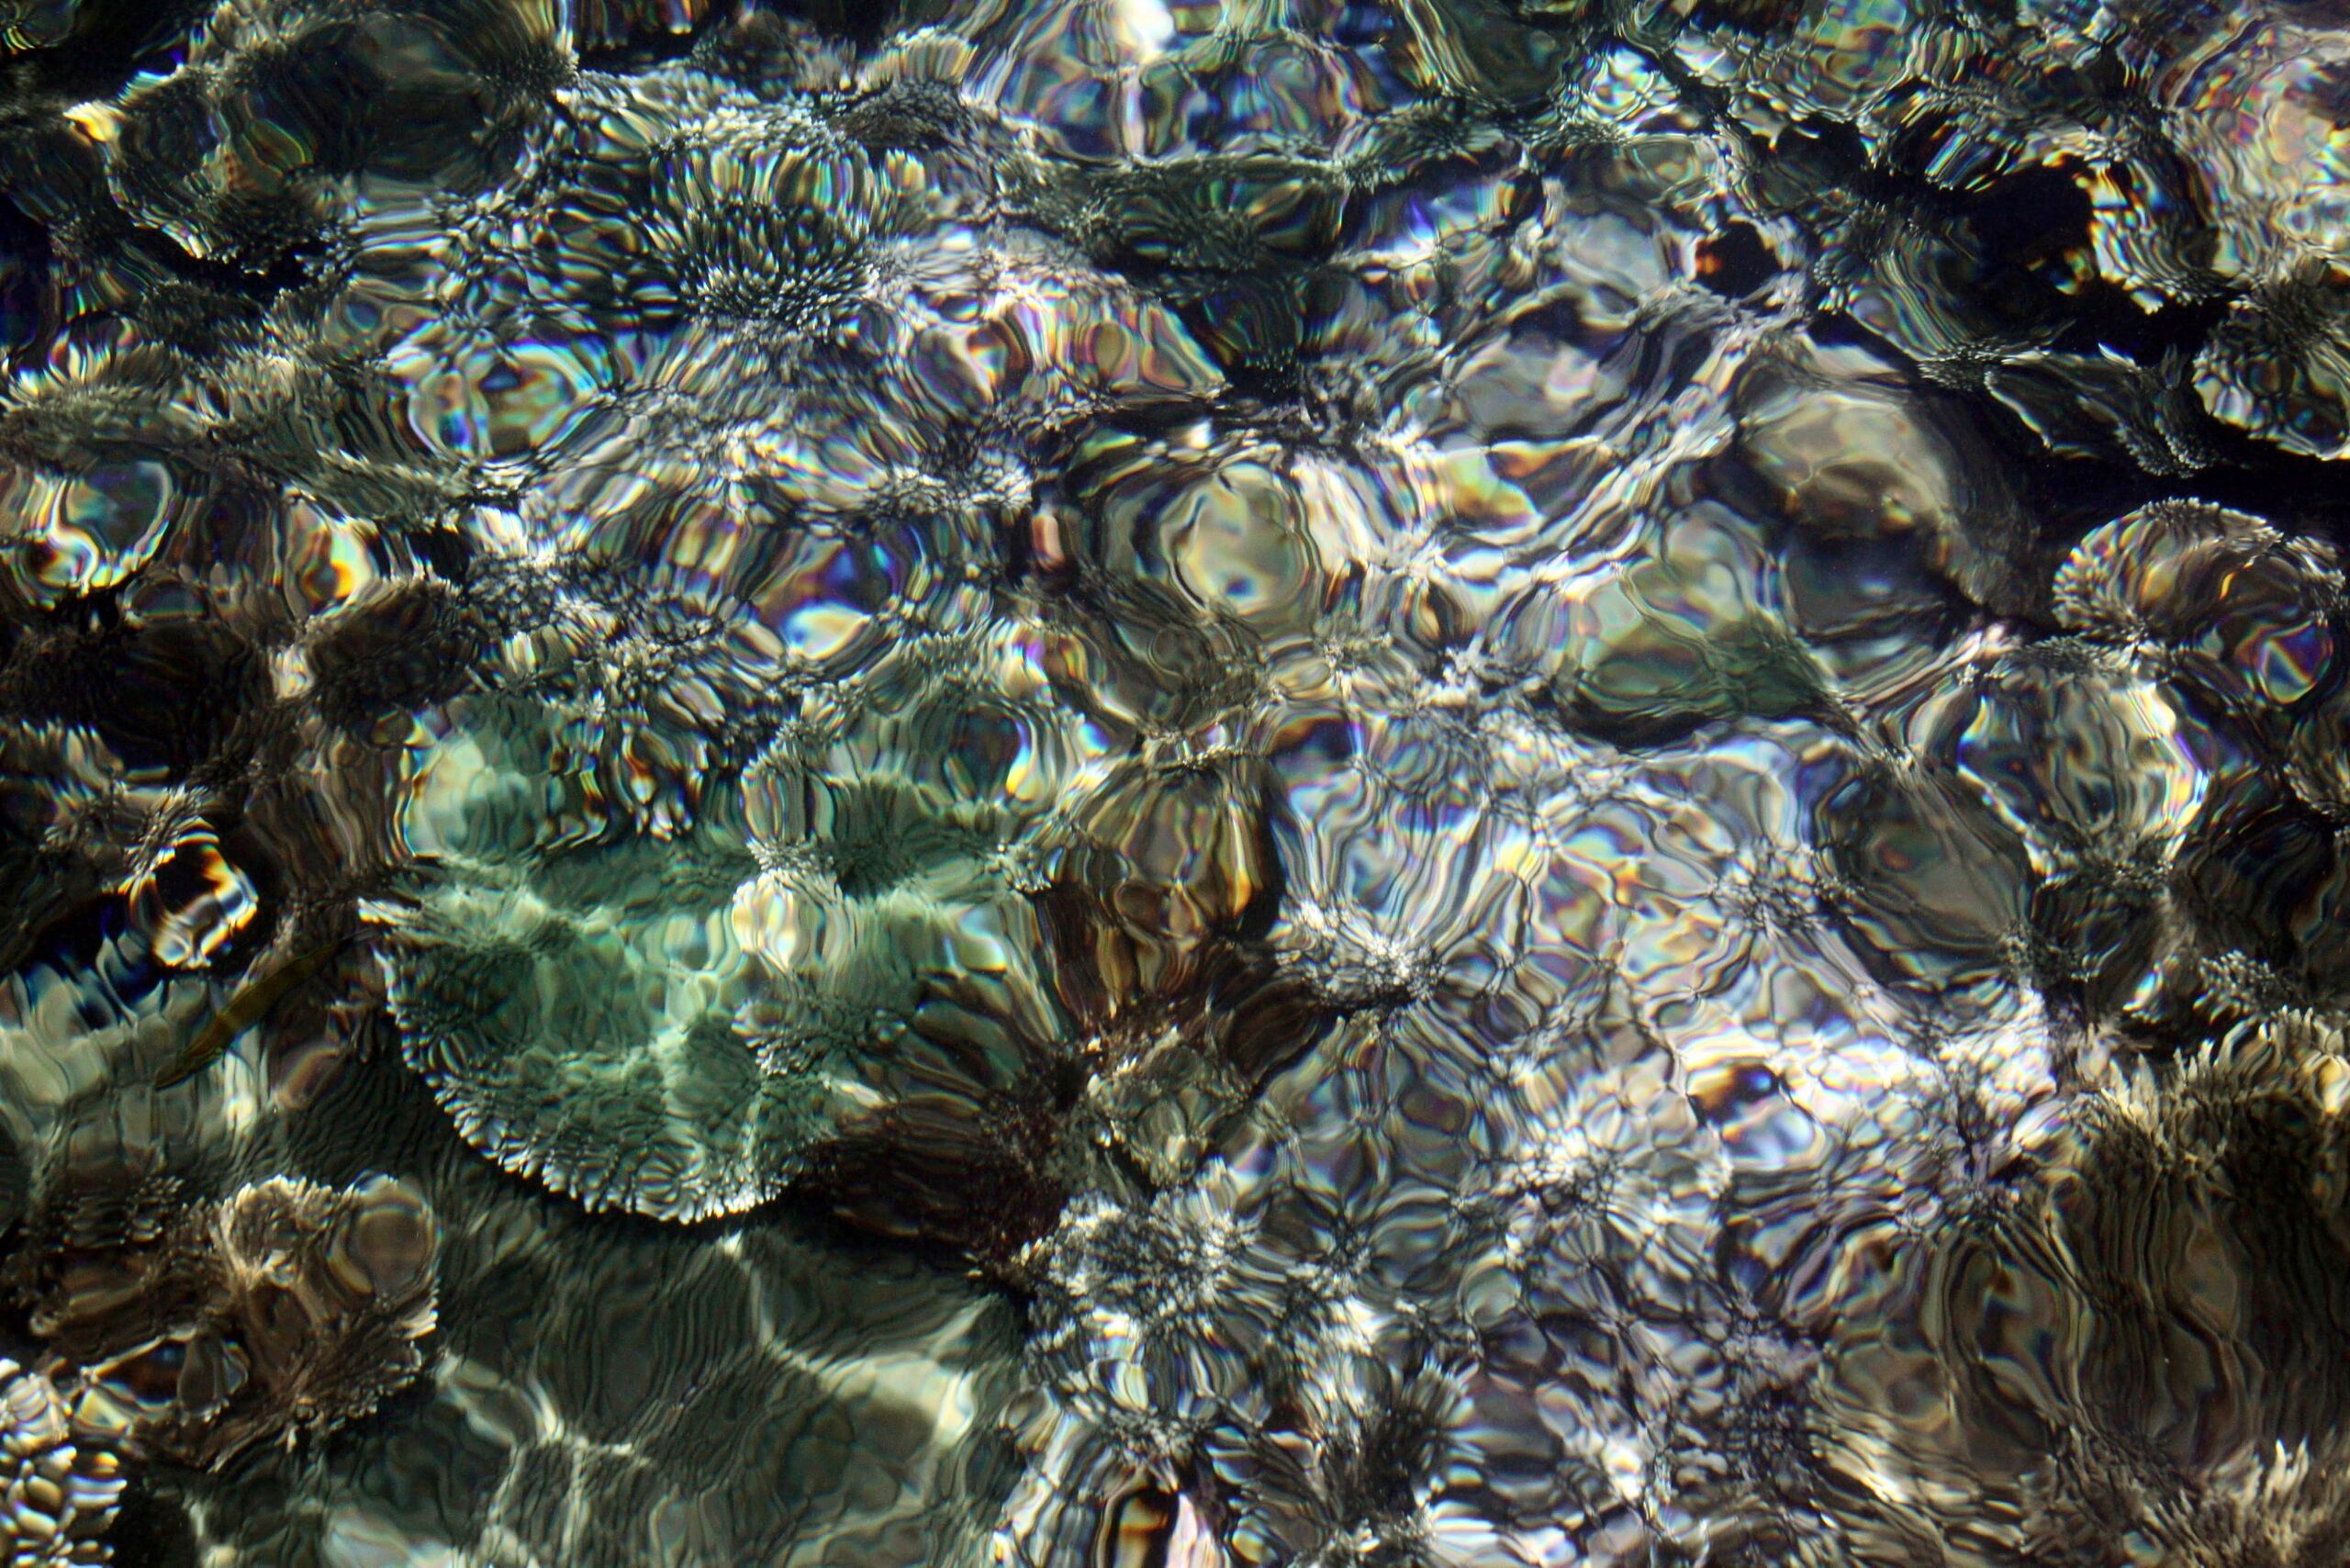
{"x":2143,"y":1346}
{"x":63,"y":1489}
{"x":1322,"y":782}
{"x":285,"y":1310}
{"x":185,"y":1333}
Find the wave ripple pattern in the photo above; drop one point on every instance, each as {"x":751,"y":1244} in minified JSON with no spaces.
{"x":1174,"y":783}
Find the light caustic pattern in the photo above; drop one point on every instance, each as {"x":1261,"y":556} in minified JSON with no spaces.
{"x":1227,"y":783}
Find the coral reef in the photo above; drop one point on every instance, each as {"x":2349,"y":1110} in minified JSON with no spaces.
{"x":1309,"y":782}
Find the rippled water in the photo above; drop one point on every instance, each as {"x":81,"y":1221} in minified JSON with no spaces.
{"x":1174,"y":783}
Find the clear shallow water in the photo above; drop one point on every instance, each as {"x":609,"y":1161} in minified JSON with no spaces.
{"x":1409,"y":784}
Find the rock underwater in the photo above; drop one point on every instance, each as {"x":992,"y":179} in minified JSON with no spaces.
{"x":1227,"y":783}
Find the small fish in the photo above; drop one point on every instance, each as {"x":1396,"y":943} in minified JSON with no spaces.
{"x":248,"y":1006}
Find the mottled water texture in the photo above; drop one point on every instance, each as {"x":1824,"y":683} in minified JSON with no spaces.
{"x":1194,"y":783}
